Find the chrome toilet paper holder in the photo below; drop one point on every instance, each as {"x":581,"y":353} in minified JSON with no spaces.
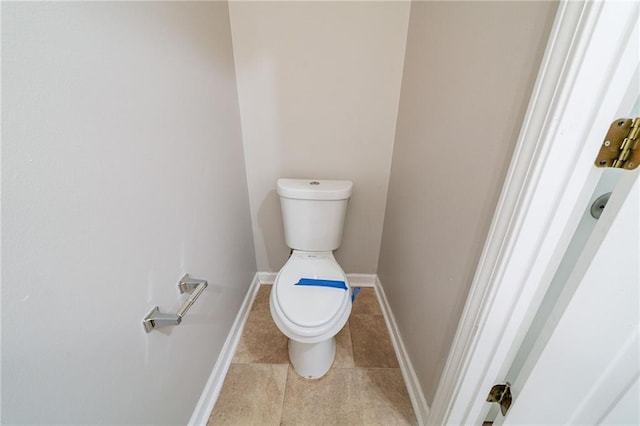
{"x":156,"y":319}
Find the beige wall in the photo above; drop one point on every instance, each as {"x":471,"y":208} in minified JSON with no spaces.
{"x":469,"y":70}
{"x":122,"y":169}
{"x":319,"y":84}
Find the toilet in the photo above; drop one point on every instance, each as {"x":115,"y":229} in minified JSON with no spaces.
{"x":310,"y":299}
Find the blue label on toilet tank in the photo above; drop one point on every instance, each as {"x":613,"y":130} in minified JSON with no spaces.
{"x":322,"y":283}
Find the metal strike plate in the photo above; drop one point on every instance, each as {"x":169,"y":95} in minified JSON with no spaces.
{"x":501,"y":394}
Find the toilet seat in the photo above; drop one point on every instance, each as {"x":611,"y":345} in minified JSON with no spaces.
{"x":309,"y":313}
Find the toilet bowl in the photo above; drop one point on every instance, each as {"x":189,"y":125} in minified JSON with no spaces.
{"x":310,"y":300}
{"x":311,"y":315}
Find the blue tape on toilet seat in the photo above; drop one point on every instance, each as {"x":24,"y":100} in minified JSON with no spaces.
{"x":322,"y":283}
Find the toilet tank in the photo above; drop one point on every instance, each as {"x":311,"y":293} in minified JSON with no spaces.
{"x":313,"y":212}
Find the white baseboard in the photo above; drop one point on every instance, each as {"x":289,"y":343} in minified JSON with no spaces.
{"x":355,"y":280}
{"x":416,"y":395}
{"x":212,"y":389}
{"x":267,"y":277}
{"x":362,"y":280}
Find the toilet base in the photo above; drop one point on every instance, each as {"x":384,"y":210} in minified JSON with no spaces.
{"x":312,"y":360}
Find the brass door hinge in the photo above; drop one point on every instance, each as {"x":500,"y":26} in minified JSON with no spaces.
{"x":620,"y":147}
{"x":502,"y":395}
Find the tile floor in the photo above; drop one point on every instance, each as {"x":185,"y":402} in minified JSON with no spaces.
{"x":363,"y":387}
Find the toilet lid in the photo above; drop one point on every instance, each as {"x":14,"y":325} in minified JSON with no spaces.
{"x":310,"y":306}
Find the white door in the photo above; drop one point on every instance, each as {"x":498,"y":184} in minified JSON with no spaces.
{"x":579,"y":363}
{"x":585,"y":366}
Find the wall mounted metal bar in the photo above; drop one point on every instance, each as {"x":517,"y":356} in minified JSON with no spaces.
{"x":157,"y":319}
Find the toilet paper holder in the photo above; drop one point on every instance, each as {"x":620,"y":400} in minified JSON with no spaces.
{"x":156,"y":319}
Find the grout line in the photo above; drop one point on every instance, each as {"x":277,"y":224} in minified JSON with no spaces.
{"x":377,"y":368}
{"x":284,"y":393}
{"x":353,"y":353}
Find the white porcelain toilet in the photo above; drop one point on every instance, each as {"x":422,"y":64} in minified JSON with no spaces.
{"x":311,"y":299}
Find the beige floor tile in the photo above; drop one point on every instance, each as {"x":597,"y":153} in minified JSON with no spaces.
{"x":261,"y":341}
{"x":261,"y":302}
{"x":385,"y":400}
{"x":331,"y":400}
{"x":344,"y":349}
{"x":252,"y":394}
{"x":366,"y":302}
{"x":348,"y":396}
{"x":261,"y":387}
{"x":371,"y":343}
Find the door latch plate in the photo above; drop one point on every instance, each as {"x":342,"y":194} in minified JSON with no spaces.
{"x":501,"y":394}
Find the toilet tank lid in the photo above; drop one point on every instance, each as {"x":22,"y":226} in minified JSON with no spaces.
{"x":314,"y":189}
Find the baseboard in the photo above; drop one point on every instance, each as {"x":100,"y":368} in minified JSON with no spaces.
{"x":355,"y":280}
{"x":416,"y":395}
{"x":362,"y":280}
{"x":212,"y":389}
{"x":267,"y":277}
